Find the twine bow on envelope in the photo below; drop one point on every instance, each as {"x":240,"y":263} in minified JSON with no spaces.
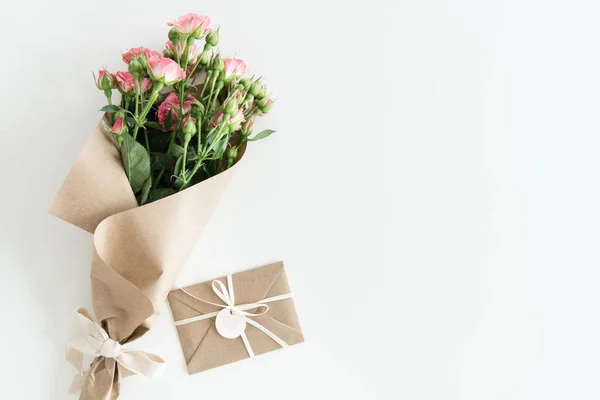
{"x":228,"y":297}
{"x":95,"y":342}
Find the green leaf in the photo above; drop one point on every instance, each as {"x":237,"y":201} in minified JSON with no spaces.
{"x":176,"y":150}
{"x":261,"y":135}
{"x":177,"y":183}
{"x":153,"y":125}
{"x":158,"y":161}
{"x":146,"y":191}
{"x":191,"y":155}
{"x":220,"y":147}
{"x":169,"y":120}
{"x":136,"y":162}
{"x":111,"y":108}
{"x":178,"y":165}
{"x":161,"y":193}
{"x":130,"y":122}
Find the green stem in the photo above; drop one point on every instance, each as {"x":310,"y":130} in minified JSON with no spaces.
{"x":140,"y":120}
{"x":138,"y":91}
{"x":127,"y":102}
{"x":212,"y":87}
{"x":199,"y":122}
{"x":192,"y":173}
{"x":160,"y":174}
{"x":183,"y":162}
{"x":147,"y":141}
{"x":208,"y":76}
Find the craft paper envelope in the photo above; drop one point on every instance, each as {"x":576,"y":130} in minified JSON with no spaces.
{"x":204,"y":348}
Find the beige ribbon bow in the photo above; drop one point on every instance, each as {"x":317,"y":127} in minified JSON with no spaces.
{"x":96,"y":343}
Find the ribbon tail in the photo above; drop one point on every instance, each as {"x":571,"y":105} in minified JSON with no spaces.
{"x":141,"y":362}
{"x":125,"y":372}
{"x":78,"y":383}
{"x":247,"y":344}
{"x":75,"y":358}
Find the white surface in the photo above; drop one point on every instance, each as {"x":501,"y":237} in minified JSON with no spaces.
{"x":433,"y":190}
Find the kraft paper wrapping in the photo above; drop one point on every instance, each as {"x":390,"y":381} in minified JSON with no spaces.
{"x":138,"y":251}
{"x":204,"y":348}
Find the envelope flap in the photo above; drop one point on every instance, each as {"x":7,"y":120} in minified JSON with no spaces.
{"x":253,"y":285}
{"x":214,"y":351}
{"x":185,"y":306}
{"x":191,"y":335}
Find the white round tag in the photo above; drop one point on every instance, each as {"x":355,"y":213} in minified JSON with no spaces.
{"x":229,"y":325}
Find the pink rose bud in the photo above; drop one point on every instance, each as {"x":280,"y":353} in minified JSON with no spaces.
{"x":174,"y":35}
{"x":217,"y":63}
{"x":105,"y":81}
{"x":233,"y":68}
{"x":213,"y":37}
{"x":189,"y":128}
{"x":192,"y":24}
{"x":118,"y":127}
{"x":217,"y":119}
{"x":204,"y":58}
{"x":265,"y":105}
{"x":136,"y":68}
{"x":231,"y":105}
{"x":136,"y":52}
{"x":247,"y":127}
{"x":255,"y":88}
{"x":164,"y":70}
{"x":262,"y":92}
{"x":236,"y":121}
{"x":231,"y":155}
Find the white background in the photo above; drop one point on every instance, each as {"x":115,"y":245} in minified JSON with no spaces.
{"x":432,"y":188}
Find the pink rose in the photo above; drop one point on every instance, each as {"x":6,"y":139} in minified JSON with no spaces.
{"x":234,"y":68}
{"x":138,"y":51}
{"x":190,"y":23}
{"x":172,"y":103}
{"x":118,"y":127}
{"x":165,"y":70}
{"x":126,"y":83}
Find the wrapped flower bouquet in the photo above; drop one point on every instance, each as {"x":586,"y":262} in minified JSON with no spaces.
{"x":146,"y":184}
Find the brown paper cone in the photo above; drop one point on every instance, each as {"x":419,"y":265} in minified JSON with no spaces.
{"x":138,"y":251}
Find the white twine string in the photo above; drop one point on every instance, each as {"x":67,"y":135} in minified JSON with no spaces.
{"x":228,"y":297}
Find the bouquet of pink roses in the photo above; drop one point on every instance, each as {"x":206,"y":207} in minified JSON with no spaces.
{"x":180,"y":110}
{"x":145,"y":185}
